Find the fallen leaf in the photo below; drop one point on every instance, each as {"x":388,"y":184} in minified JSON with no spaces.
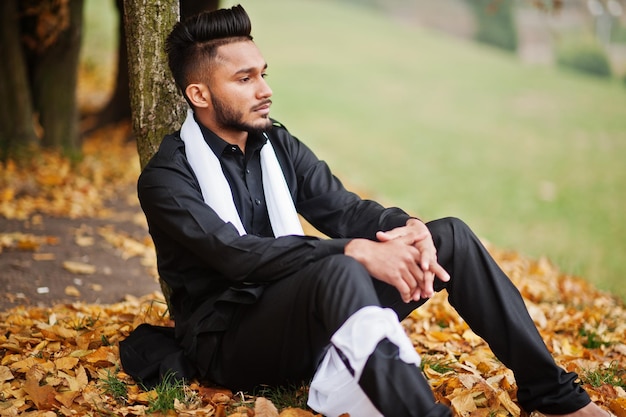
{"x":67,"y":397}
{"x":264,"y":408}
{"x":65,"y":363}
{"x":618,"y":407}
{"x":72,"y":291}
{"x":42,"y":395}
{"x":44,"y":257}
{"x":295,"y":412}
{"x":79,"y":267}
{"x":5,"y":374}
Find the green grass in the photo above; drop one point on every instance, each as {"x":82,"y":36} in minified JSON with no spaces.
{"x":610,"y":375}
{"x":114,"y":387}
{"x":168,"y":390}
{"x":531,"y":157}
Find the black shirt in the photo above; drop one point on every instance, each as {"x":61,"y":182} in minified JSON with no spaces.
{"x":243,"y":173}
{"x":205,"y":261}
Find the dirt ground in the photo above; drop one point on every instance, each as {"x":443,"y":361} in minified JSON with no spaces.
{"x":39,"y":278}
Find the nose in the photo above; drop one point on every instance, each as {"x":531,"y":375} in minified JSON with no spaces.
{"x":264,"y":89}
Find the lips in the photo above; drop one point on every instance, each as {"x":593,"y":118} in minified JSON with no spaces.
{"x":263,"y":108}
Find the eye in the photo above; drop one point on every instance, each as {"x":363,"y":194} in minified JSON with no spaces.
{"x":244,"y":79}
{"x":264,"y":75}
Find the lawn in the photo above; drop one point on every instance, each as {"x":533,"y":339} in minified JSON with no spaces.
{"x":530,"y":157}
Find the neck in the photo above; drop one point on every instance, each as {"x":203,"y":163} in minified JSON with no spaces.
{"x":229,"y":135}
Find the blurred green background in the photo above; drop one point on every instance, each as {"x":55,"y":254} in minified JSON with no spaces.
{"x":409,"y":109}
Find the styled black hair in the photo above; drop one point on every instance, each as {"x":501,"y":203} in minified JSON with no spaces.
{"x":193,"y":43}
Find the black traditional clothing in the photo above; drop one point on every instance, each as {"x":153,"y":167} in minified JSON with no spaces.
{"x":255,"y":309}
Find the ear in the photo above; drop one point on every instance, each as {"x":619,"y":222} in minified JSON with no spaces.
{"x":198,"y":94}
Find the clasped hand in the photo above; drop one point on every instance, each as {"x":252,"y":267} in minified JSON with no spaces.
{"x":404,"y":257}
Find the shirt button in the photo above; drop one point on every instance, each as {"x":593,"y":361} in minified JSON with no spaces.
{"x":257,"y":201}
{"x":247,"y":171}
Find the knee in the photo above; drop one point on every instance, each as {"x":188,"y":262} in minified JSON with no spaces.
{"x":342,"y":268}
{"x":448,"y":228}
{"x":453,"y":240}
{"x":344,"y":274}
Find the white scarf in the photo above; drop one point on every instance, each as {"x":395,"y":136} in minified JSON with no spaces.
{"x":217,"y":193}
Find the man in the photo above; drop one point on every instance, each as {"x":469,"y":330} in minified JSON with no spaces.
{"x":256,"y":302}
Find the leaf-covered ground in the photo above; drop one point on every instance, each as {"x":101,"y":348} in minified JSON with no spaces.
{"x":63,"y":359}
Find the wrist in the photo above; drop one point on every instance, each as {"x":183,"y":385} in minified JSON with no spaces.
{"x":413,"y":221}
{"x":355,"y":248}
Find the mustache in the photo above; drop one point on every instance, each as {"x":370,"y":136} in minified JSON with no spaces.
{"x":262,"y":104}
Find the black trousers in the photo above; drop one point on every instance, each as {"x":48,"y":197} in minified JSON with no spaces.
{"x":281,"y":338}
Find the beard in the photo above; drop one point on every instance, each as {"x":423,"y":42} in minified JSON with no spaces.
{"x":233,"y":119}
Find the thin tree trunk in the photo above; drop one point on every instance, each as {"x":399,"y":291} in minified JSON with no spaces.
{"x":16,"y":109}
{"x":118,"y":107}
{"x":54,"y":79}
{"x":157,"y":107}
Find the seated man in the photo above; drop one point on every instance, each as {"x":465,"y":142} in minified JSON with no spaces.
{"x":257,"y":302}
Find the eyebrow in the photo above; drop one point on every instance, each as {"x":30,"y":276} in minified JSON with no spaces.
{"x":249,"y":70}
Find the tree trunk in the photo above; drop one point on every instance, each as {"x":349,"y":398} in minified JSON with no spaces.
{"x":118,"y":107}
{"x":54,"y":78}
{"x":16,"y":110}
{"x":157,"y":106}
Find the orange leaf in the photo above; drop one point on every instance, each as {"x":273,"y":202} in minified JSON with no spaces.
{"x":106,"y":354}
{"x":264,"y":408}
{"x":67,"y":398}
{"x":79,"y":268}
{"x":5,"y":374}
{"x":41,"y":395}
{"x":65,"y":363}
{"x":295,"y":412}
{"x":618,"y":407}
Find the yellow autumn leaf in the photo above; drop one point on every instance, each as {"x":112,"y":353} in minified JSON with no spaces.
{"x":57,"y":332}
{"x":508,"y":403}
{"x":104,"y":354}
{"x":264,"y":408}
{"x":295,"y":412}
{"x":80,"y":268}
{"x":5,"y":374}
{"x":463,"y":403}
{"x":72,"y":291}
{"x":65,"y":363}
{"x":66,"y":397}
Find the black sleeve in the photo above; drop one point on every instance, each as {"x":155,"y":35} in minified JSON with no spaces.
{"x":182,"y":224}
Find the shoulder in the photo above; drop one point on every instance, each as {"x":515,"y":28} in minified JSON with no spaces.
{"x":170,"y":157}
{"x":171,"y":145}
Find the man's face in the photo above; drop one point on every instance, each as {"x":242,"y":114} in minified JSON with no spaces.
{"x":239,"y":93}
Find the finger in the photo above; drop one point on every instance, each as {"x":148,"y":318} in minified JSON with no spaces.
{"x":410,"y":233}
{"x":427,"y":284}
{"x":402,"y":286}
{"x":440,"y":272}
{"x":384,"y":236}
{"x":417,"y":294}
{"x":429,"y":256}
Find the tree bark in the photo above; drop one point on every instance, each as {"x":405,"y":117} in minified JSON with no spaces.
{"x":157,"y":106}
{"x":16,"y":109}
{"x":118,"y":107}
{"x":54,"y":78}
